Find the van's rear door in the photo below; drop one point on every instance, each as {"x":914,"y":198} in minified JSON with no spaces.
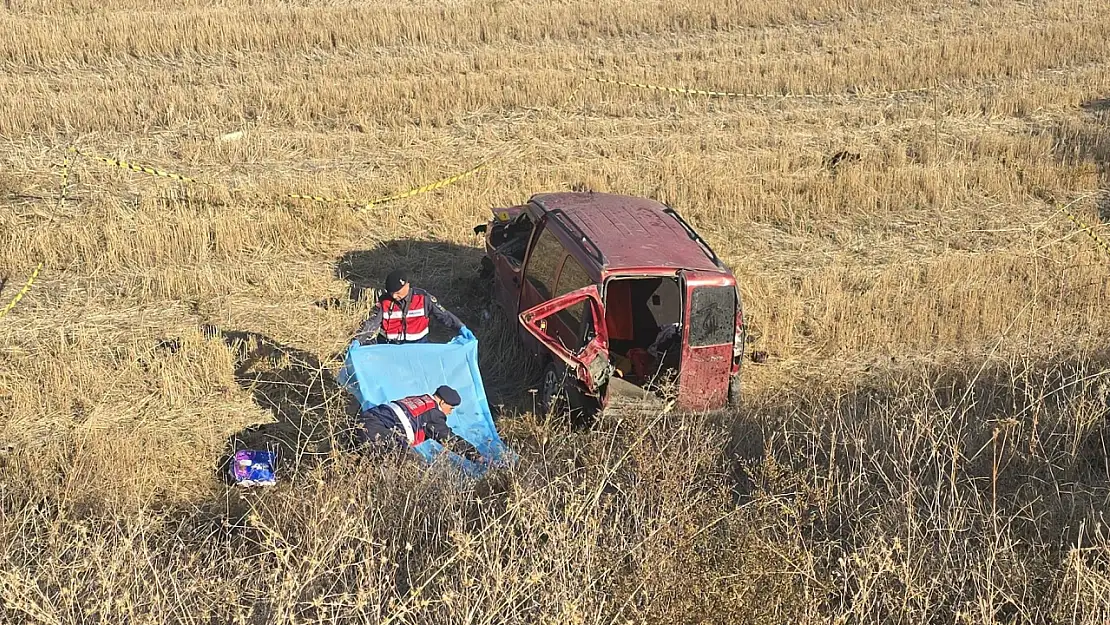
{"x":707,"y":342}
{"x":590,"y":362}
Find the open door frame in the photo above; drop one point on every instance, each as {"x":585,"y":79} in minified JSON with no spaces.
{"x":591,"y":362}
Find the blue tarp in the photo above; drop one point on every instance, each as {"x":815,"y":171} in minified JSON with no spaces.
{"x":376,"y":374}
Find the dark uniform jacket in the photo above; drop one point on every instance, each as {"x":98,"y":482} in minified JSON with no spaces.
{"x":424,"y":419}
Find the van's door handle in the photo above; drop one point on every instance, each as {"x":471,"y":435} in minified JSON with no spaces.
{"x":516,"y":280}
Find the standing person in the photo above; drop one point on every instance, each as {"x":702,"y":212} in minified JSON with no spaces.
{"x":413,"y":420}
{"x":402,"y":314}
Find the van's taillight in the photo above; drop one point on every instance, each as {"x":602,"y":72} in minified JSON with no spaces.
{"x":738,"y":338}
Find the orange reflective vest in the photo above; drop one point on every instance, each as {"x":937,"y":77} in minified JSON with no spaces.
{"x":405,"y":325}
{"x":409,"y":412}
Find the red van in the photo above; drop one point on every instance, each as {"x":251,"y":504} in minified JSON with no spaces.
{"x":618,"y":295}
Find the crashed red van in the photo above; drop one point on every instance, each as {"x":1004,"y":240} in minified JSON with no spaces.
{"x":619,"y":296}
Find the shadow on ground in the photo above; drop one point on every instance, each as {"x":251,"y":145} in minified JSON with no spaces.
{"x":312,"y":412}
{"x":450,"y":272}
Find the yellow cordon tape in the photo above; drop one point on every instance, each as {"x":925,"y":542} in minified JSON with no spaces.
{"x":323,"y":199}
{"x":153,"y":171}
{"x":572,"y":95}
{"x":1089,"y":230}
{"x":136,"y":167}
{"x":763,"y":96}
{"x":22,"y":292}
{"x":66,"y":162}
{"x":439,"y":184}
{"x":368,"y":204}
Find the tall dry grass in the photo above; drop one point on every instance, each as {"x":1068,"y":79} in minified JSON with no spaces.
{"x":965,"y":494}
{"x":925,"y":443}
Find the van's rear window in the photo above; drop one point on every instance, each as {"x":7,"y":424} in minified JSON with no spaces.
{"x":712,"y":316}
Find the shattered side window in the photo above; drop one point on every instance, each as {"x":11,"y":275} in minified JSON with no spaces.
{"x":712,"y":316}
{"x":572,"y":277}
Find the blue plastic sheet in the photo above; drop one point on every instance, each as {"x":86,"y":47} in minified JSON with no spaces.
{"x":377,"y":374}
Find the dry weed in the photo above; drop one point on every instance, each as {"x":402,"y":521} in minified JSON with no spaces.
{"x":926,"y":442}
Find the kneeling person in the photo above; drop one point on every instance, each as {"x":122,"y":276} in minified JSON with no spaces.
{"x":414,"y":419}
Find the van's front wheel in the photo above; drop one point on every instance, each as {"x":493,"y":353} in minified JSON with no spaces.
{"x":553,"y":393}
{"x":560,"y":395}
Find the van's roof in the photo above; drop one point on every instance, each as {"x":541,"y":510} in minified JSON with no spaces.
{"x":629,"y":232}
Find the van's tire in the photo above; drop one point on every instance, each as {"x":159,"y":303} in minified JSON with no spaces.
{"x":734,"y":395}
{"x":553,"y":392}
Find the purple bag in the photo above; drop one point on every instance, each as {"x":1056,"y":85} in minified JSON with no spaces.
{"x":250,"y":467}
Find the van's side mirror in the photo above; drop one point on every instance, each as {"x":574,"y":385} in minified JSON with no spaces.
{"x":481,"y":228}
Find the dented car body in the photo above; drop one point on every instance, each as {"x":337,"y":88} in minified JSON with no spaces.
{"x":613,"y":292}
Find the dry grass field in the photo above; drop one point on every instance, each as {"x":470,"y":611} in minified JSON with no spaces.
{"x":926,"y":443}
